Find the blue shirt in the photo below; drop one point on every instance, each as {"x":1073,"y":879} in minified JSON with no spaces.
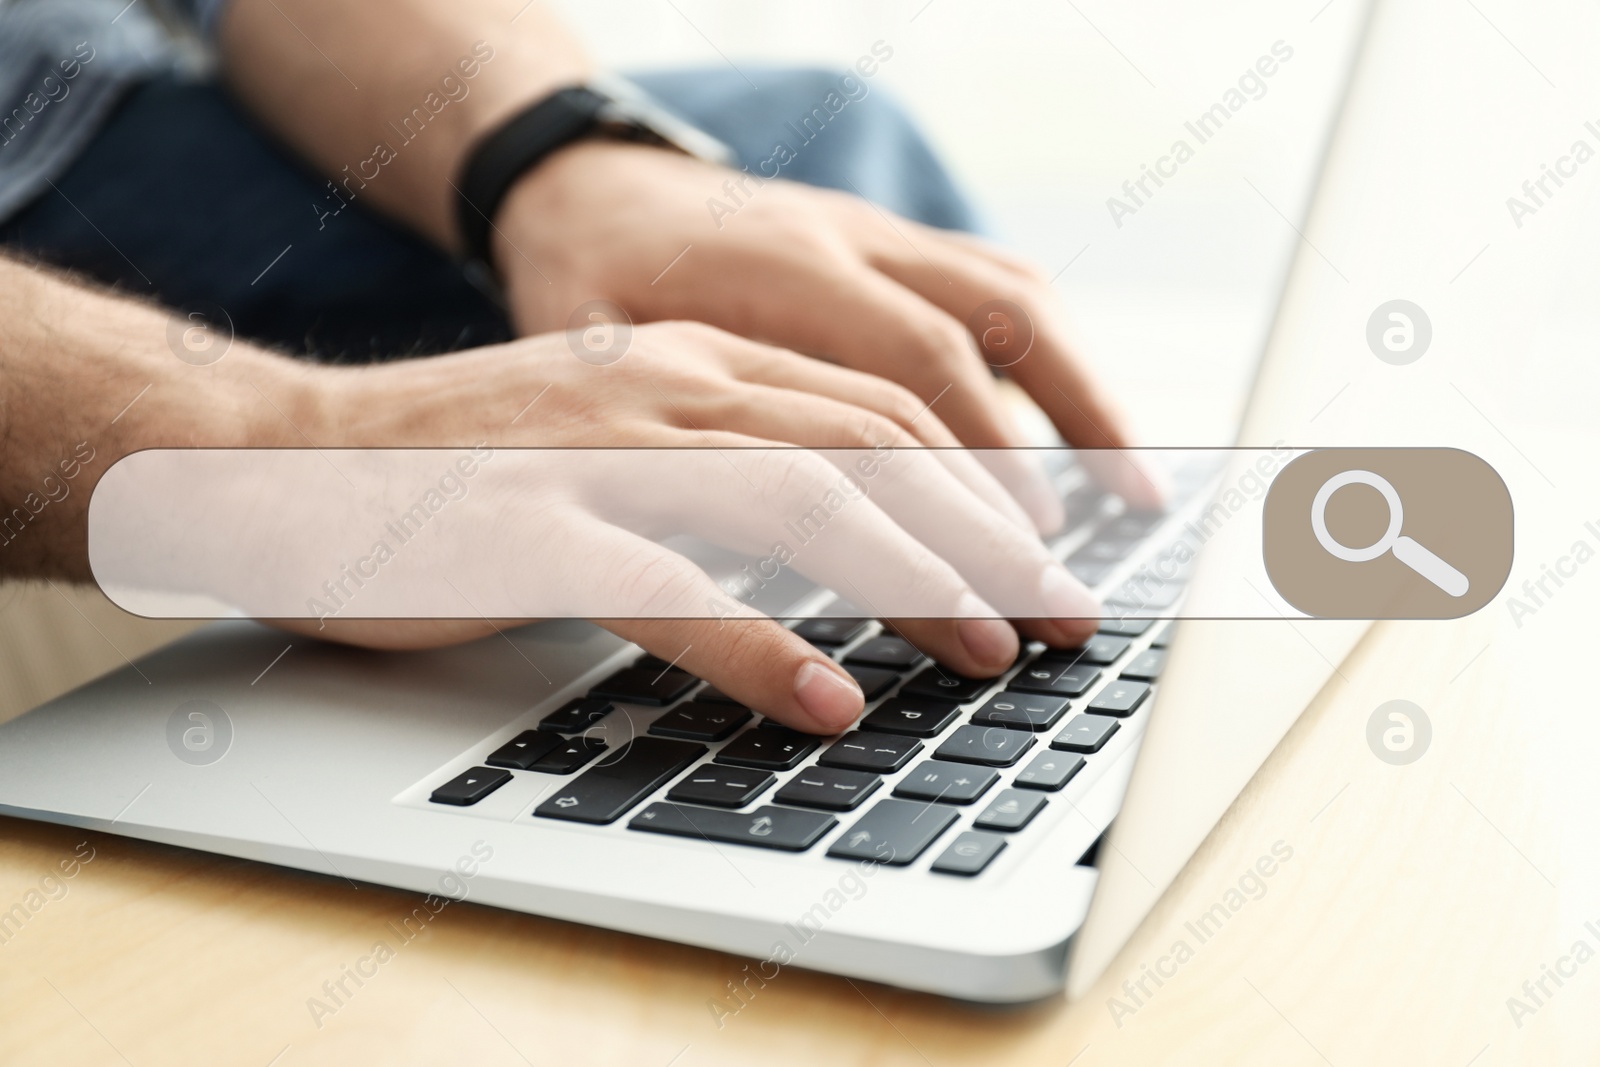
{"x":64,"y":64}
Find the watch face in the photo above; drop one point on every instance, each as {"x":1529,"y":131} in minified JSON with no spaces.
{"x":631,"y":114}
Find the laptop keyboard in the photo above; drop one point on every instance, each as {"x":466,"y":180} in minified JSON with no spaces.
{"x":938,"y":761}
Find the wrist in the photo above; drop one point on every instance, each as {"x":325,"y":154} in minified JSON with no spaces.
{"x":87,"y":378}
{"x":533,"y":242}
{"x":603,"y":118}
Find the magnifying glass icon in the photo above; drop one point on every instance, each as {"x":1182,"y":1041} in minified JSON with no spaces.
{"x":1405,"y":550}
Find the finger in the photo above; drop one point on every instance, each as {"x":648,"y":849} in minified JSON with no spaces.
{"x":765,"y":364}
{"x":1007,"y":565}
{"x":751,"y":658}
{"x":757,"y":662}
{"x":959,"y":282}
{"x":875,"y":324}
{"x":797,"y":511}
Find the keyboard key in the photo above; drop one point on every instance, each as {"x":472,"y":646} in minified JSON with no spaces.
{"x":895,"y":653}
{"x":831,"y":631}
{"x":874,"y":681}
{"x":1085,"y":733}
{"x":634,"y":685}
{"x":780,"y":828}
{"x":893,"y":832}
{"x":1090,"y":572}
{"x":1021,"y":711}
{"x":721,"y":787}
{"x":524,"y":750}
{"x":712,"y":695}
{"x":1164,"y":638}
{"x":769,"y":748}
{"x":695,"y":721}
{"x":649,"y":662}
{"x":913,"y":718}
{"x":874,"y":752}
{"x":469,"y":787}
{"x":1084,"y":504}
{"x":969,"y":853}
{"x":950,"y":783}
{"x":989,"y":746}
{"x":1055,"y":679}
{"x":1119,"y":698}
{"x":1125,"y":627}
{"x":1146,"y":666}
{"x":1049,"y":771}
{"x":573,"y":753}
{"x":1011,"y":810}
{"x":1101,"y":650}
{"x":1131,"y":525}
{"x":576,"y":716}
{"x":828,"y":788}
{"x":1145,"y":595}
{"x":1107,"y":549}
{"x":940,"y":684}
{"x":601,"y":794}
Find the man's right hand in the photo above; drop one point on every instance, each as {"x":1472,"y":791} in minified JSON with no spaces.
{"x":96,"y":378}
{"x":691,"y":386}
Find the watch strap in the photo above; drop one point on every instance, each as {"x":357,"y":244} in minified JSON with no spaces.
{"x":499,"y":159}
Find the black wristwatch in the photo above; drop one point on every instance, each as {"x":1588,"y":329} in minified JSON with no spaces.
{"x":603,"y":107}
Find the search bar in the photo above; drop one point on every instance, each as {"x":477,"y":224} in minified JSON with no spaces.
{"x":894,"y":533}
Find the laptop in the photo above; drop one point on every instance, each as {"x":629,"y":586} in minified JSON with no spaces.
{"x":994,"y":841}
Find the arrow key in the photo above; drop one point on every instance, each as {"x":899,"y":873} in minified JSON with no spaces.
{"x":469,"y":787}
{"x":572,"y":753}
{"x":524,"y":750}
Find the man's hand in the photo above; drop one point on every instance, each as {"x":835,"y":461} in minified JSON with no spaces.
{"x":817,"y":271}
{"x":87,"y":378}
{"x":690,"y":386}
{"x":823,"y":273}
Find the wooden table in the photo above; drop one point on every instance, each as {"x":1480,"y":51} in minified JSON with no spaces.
{"x":1417,"y":900}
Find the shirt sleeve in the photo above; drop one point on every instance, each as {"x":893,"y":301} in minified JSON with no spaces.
{"x":202,"y":13}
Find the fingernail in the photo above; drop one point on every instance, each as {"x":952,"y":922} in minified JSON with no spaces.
{"x":831,"y":697}
{"x":990,"y":641}
{"x":1064,"y":597}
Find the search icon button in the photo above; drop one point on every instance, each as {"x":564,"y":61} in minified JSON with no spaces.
{"x":1405,"y":549}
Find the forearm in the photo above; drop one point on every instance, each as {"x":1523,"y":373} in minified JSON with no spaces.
{"x":385,"y":97}
{"x":87,"y":378}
